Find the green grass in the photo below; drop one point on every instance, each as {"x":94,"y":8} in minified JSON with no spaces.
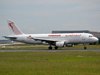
{"x":50,"y":63}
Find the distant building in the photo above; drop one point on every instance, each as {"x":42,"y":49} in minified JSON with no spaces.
{"x":95,"y":33}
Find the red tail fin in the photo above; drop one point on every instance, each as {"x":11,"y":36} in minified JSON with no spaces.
{"x":14,"y":28}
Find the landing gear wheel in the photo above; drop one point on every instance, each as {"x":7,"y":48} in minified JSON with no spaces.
{"x":84,"y":47}
{"x":49,"y":48}
{"x":56,"y":47}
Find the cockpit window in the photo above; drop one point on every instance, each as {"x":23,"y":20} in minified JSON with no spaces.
{"x":90,"y":36}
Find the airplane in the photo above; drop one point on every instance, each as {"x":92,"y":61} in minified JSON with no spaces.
{"x":56,"y":40}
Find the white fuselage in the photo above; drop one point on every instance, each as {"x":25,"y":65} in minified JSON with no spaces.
{"x":68,"y":38}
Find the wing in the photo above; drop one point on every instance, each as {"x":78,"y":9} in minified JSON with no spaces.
{"x":45,"y":39}
{"x":48,"y":40}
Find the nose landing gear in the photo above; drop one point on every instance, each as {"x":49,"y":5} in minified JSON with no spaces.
{"x":84,"y":46}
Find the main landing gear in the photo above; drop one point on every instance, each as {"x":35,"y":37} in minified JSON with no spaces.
{"x":50,"y":48}
{"x":56,"y":47}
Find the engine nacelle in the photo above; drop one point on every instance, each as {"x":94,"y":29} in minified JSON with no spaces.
{"x":59,"y":44}
{"x":69,"y":45}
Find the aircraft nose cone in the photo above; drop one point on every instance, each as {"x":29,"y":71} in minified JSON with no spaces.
{"x":96,"y":39}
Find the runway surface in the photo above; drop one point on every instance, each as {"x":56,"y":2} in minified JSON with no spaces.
{"x":45,"y":50}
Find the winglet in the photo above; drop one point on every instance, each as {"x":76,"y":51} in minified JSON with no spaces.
{"x":14,"y":28}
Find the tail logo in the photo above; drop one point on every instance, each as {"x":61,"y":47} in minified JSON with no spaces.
{"x":10,"y":24}
{"x":14,"y":29}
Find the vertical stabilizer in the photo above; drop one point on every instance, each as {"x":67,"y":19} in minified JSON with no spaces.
{"x":14,"y":28}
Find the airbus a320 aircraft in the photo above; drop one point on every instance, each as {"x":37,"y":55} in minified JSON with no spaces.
{"x":58,"y":40}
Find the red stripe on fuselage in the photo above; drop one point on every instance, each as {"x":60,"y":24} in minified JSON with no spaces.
{"x":73,"y":35}
{"x":54,"y":35}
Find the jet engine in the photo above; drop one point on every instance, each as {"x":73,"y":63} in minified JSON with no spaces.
{"x":59,"y":44}
{"x":69,"y":45}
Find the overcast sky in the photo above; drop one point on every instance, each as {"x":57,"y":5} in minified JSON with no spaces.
{"x":43,"y":16}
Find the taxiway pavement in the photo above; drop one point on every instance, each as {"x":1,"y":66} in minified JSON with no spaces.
{"x":45,"y":50}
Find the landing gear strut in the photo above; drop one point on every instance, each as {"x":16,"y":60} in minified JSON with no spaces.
{"x":85,"y":46}
{"x":50,"y":47}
